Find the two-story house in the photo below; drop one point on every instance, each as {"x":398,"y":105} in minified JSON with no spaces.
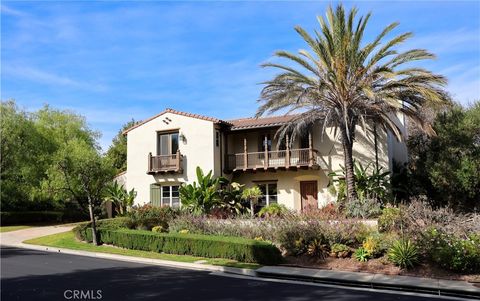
{"x":164,"y":151}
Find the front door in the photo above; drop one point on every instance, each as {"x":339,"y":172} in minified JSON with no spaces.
{"x":309,"y":193}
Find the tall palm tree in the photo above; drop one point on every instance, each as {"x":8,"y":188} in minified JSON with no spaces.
{"x":344,"y":82}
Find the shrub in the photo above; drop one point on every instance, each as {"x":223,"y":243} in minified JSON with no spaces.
{"x":454,"y":253}
{"x":372,"y":245}
{"x":83,"y":231}
{"x":148,"y":216}
{"x":237,"y":248}
{"x":339,"y":250}
{"x":390,"y":219}
{"x":159,"y":229}
{"x":363,"y":208}
{"x":29,"y":217}
{"x":361,"y":254}
{"x":273,"y":210}
{"x":403,"y":253}
{"x":317,"y":249}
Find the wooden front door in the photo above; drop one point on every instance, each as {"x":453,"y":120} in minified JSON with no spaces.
{"x":309,"y":193}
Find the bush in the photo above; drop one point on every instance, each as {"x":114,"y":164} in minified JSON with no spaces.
{"x":237,"y":248}
{"x":363,"y":208}
{"x":404,"y":254}
{"x":273,"y":210}
{"x":148,"y":216}
{"x":339,"y":250}
{"x":454,"y":253}
{"x":159,"y":229}
{"x":29,"y":217}
{"x":390,"y":219}
{"x":83,"y":231}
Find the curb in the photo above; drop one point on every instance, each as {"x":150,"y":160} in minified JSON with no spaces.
{"x":159,"y":262}
{"x":437,"y":287}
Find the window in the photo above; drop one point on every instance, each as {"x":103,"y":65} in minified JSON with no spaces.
{"x":217,"y":138}
{"x":269,"y":191}
{"x":167,"y":144}
{"x":164,"y":195}
{"x":170,"y":196}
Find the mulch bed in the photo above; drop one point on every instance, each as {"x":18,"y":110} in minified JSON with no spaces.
{"x":378,"y":266}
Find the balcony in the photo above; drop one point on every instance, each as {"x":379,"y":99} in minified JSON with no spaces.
{"x":271,"y":160}
{"x":165,"y":163}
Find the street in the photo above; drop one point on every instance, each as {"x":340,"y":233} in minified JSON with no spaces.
{"x":36,"y":275}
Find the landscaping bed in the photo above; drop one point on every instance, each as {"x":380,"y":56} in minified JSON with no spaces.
{"x":378,"y":266}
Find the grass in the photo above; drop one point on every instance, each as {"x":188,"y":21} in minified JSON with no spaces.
{"x":67,"y":240}
{"x":12,"y":228}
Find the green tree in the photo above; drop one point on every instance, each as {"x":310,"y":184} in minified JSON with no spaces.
{"x":80,"y":173}
{"x":24,"y":153}
{"x":117,"y":152}
{"x":446,"y":167}
{"x":345,"y":82}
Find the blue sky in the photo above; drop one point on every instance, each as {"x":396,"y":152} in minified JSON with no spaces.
{"x":114,"y":61}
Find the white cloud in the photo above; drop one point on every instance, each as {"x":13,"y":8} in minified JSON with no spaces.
{"x":10,"y":11}
{"x":37,"y":75}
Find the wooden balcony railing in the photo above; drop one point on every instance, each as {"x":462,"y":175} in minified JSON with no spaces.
{"x":165,"y":163}
{"x":293,"y":158}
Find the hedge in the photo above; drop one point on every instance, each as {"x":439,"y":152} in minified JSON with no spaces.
{"x":28,"y":217}
{"x":237,"y":248}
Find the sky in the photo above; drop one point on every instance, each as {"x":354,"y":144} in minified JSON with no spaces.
{"x":112,"y":61}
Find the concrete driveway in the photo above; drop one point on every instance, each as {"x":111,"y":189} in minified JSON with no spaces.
{"x":15,"y":238}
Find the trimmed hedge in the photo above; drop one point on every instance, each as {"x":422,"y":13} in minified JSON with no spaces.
{"x":28,"y":217}
{"x":237,"y":248}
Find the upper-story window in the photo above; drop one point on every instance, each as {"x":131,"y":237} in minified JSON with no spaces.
{"x":167,"y":143}
{"x":217,"y":138}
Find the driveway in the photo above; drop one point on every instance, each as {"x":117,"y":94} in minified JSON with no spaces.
{"x":37,"y":275}
{"x":15,"y":238}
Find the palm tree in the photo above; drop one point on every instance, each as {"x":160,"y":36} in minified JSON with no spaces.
{"x":343,"y":82}
{"x":252,"y":195}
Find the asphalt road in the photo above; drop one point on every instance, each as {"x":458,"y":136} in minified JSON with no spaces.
{"x":35,"y":275}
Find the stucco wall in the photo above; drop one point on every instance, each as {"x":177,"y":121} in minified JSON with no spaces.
{"x":330,"y":150}
{"x":197,"y":150}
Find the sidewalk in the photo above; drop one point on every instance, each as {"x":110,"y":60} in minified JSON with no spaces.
{"x":351,"y":279}
{"x":395,"y":282}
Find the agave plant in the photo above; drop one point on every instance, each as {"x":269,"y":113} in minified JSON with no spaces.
{"x":344,"y":82}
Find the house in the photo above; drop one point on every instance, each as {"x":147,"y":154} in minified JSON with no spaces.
{"x":164,"y":151}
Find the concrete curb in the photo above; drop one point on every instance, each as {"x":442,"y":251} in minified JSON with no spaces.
{"x":380,"y":281}
{"x":160,"y":262}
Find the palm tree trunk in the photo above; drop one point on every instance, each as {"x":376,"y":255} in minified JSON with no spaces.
{"x":347,"y":141}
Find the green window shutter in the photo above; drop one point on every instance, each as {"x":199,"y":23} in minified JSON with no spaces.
{"x":155,"y":194}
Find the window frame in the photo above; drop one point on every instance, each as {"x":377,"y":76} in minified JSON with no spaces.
{"x":170,"y":135}
{"x":170,"y":196}
{"x":267,"y":195}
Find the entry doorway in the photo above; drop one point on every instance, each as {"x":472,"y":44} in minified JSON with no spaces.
{"x":309,"y":194}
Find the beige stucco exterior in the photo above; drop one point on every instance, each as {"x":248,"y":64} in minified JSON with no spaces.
{"x":202,"y":147}
{"x":197,"y":147}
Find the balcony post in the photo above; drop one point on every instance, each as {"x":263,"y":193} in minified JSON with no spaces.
{"x":149,"y":162}
{"x":177,"y":161}
{"x":265,"y":160}
{"x":287,"y":151}
{"x":245,"y":158}
{"x":310,"y":149}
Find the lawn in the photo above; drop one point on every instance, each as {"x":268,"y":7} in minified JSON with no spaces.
{"x":67,"y":240}
{"x":12,"y":228}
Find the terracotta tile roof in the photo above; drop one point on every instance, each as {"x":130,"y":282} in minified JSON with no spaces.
{"x":251,"y":123}
{"x":212,"y":119}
